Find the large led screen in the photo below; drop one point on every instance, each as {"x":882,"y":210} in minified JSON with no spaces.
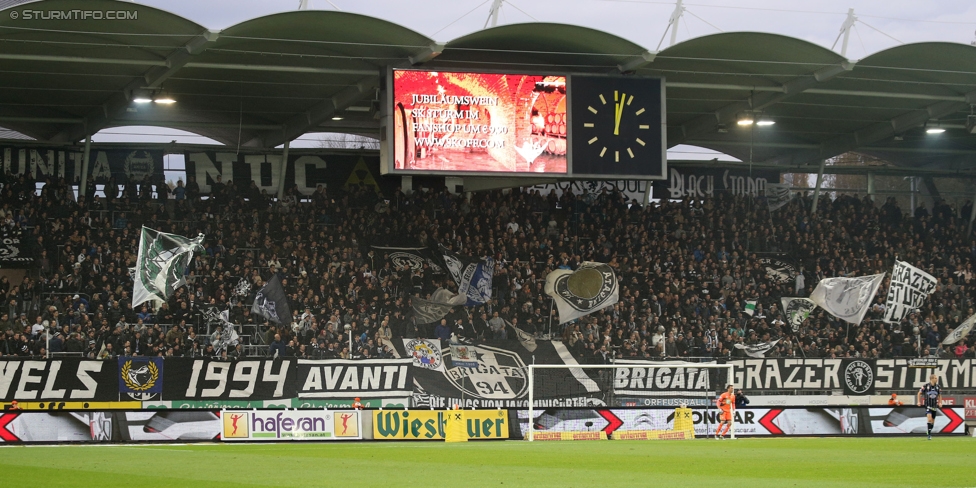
{"x":479,"y":123}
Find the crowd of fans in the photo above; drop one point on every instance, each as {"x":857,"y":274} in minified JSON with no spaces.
{"x":685,"y":269}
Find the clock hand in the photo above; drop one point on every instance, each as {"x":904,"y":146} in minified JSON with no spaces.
{"x":618,"y":112}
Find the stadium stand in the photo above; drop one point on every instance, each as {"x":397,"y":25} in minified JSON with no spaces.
{"x":685,"y":268}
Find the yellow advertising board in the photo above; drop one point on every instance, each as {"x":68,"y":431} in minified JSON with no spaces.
{"x":432,"y":424}
{"x":570,"y":436}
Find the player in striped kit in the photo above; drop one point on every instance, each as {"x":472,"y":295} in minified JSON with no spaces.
{"x":930,"y":397}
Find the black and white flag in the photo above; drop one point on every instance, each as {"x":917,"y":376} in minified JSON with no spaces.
{"x":797,"y":310}
{"x":161,"y":265}
{"x":909,"y":288}
{"x":777,"y":195}
{"x":414,"y":258}
{"x":756,"y":350}
{"x":429,"y":311}
{"x":473,"y":276}
{"x":847,"y":298}
{"x":527,"y":340}
{"x":960,"y":333}
{"x":590,"y":288}
{"x":271,"y":302}
{"x":779,"y":268}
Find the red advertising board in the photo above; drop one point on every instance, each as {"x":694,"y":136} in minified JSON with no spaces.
{"x":970,"y":404}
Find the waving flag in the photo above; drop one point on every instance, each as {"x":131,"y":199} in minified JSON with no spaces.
{"x":271,"y":302}
{"x":161,"y":265}
{"x":577,"y":293}
{"x":847,"y":298}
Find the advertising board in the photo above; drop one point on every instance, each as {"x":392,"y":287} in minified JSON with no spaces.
{"x":290,"y":425}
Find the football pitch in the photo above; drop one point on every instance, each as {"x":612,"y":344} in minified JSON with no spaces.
{"x":820,"y":462}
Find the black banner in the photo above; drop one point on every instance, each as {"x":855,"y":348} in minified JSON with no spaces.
{"x":250,"y":379}
{"x":340,"y":378}
{"x":59,"y":379}
{"x":124,"y":164}
{"x":13,"y":253}
{"x":501,"y":378}
{"x":664,"y":381}
{"x":780,"y":268}
{"x":306,"y":170}
{"x":853,"y":376}
{"x":702,"y":182}
{"x":414,"y":258}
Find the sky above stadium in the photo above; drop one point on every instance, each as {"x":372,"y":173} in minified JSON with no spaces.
{"x":881,"y":24}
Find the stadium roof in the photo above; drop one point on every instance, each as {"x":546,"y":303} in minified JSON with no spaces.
{"x":262,"y":82}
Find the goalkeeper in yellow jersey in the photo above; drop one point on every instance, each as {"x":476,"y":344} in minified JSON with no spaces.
{"x":726,"y":401}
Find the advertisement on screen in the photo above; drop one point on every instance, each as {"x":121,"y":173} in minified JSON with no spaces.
{"x":479,"y":123}
{"x":817,"y":421}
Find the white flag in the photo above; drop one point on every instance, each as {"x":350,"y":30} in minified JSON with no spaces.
{"x":847,"y":298}
{"x":960,"y":333}
{"x":797,"y":310}
{"x":757,"y":350}
{"x":577,"y":293}
{"x":909,"y":288}
{"x":161,"y":264}
{"x":750,"y":307}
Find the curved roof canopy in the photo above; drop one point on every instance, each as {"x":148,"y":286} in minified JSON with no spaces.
{"x":72,"y":67}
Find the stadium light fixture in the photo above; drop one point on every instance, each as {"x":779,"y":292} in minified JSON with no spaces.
{"x":765,"y":122}
{"x":746,"y":119}
{"x":141,"y":96}
{"x":934,"y":127}
{"x":337,"y":118}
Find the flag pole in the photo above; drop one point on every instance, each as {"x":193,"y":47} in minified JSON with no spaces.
{"x":552,"y":303}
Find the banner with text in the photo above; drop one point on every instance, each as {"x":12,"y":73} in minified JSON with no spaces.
{"x":432,"y":424}
{"x":702,"y":182}
{"x":252,"y":379}
{"x":307,"y":170}
{"x":854,"y":376}
{"x":59,"y":379}
{"x":907,"y":292}
{"x":123,"y":164}
{"x":290,"y":425}
{"x":342,"y":378}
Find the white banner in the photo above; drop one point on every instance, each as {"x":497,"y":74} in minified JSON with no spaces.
{"x":291,"y":425}
{"x":909,"y":288}
{"x":847,"y":298}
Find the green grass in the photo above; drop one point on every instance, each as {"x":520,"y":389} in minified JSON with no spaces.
{"x":751,"y":463}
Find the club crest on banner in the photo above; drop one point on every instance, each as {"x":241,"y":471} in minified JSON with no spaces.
{"x":412,"y":261}
{"x":140,"y":378}
{"x":778,"y":270}
{"x":138,"y":165}
{"x":590,"y":288}
{"x":426,"y":353}
{"x":859,"y":377}
{"x":499,"y":375}
{"x":267,"y":306}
